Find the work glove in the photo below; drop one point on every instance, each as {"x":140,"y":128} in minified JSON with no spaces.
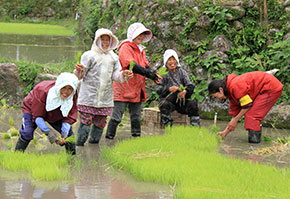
{"x":44,"y":128}
{"x":147,"y":72}
{"x":65,"y":127}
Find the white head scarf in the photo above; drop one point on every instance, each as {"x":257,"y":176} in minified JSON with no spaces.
{"x":136,"y":29}
{"x":97,"y":44}
{"x":170,"y":53}
{"x":54,"y":100}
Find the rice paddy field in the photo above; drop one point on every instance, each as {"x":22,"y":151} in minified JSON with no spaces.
{"x":45,"y":167}
{"x":187,"y":159}
{"x":34,"y":29}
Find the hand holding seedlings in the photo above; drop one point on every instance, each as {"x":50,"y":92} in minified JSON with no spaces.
{"x":80,"y":70}
{"x":127,"y":74}
{"x":159,"y":78}
{"x":181,"y":95}
{"x":60,"y":141}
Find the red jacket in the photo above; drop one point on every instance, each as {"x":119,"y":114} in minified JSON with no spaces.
{"x":131,"y":91}
{"x":243,"y":89}
{"x":34,"y":104}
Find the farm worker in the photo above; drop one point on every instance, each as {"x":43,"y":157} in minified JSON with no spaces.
{"x":251,"y":95}
{"x":98,"y":69}
{"x":53,"y":101}
{"x":132,"y":93}
{"x":175,"y":91}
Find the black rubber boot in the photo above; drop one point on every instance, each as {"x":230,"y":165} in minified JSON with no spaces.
{"x":136,"y":128}
{"x":166,"y":120}
{"x":254,"y":136}
{"x":111,"y":129}
{"x":21,"y":144}
{"x":70,"y":148}
{"x":83,"y":134}
{"x":194,"y":120}
{"x":96,"y":135}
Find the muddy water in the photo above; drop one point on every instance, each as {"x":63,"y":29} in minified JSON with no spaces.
{"x":40,"y":49}
{"x":94,"y":179}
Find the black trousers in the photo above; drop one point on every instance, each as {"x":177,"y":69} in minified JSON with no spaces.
{"x":169,"y":104}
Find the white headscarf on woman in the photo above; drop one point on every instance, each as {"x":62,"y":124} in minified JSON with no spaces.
{"x":54,"y":100}
{"x":170,"y":53}
{"x":97,"y":44}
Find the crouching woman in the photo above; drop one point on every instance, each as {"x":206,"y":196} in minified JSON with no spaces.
{"x":251,"y":95}
{"x":54,"y":102}
{"x":172,"y":97}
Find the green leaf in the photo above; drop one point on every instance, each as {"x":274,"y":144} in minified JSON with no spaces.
{"x":131,"y":65}
{"x":78,"y":56}
{"x":162,"y":71}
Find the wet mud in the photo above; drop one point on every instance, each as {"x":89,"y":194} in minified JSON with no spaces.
{"x":95,"y":178}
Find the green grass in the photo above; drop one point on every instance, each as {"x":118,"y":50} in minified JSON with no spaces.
{"x":45,"y":167}
{"x":187,"y":157}
{"x":34,"y":29}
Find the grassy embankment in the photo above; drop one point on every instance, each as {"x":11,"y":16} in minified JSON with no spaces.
{"x":34,"y":29}
{"x":187,"y":157}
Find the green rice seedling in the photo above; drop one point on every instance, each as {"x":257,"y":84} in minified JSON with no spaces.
{"x":215,"y":129}
{"x":71,"y":139}
{"x":162,"y":71}
{"x":45,"y":167}
{"x":15,"y":133}
{"x":4,"y":104}
{"x":188,"y":158}
{"x":11,"y":122}
{"x":9,"y":145}
{"x":6,"y":136}
{"x":267,"y":138}
{"x":34,"y":29}
{"x":78,"y":56}
{"x":131,"y":66}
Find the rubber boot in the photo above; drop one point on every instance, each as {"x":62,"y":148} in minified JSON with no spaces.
{"x":70,"y":148}
{"x":254,"y":136}
{"x":111,"y":129}
{"x":194,"y":120}
{"x":21,"y":144}
{"x":96,"y":135}
{"x":136,"y":128}
{"x":83,"y":134}
{"x":166,"y":120}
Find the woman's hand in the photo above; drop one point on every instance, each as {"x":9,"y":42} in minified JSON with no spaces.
{"x":182,"y":94}
{"x":231,"y":127}
{"x":127,"y":74}
{"x":79,"y":67}
{"x":173,"y":89}
{"x":159,"y":77}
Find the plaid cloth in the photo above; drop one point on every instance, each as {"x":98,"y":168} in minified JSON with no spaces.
{"x":97,"y":120}
{"x":95,"y":111}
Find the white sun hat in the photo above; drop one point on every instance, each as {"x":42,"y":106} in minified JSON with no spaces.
{"x":136,"y":29}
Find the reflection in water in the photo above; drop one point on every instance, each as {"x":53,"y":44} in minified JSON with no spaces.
{"x":41,"y":49}
{"x":92,"y":180}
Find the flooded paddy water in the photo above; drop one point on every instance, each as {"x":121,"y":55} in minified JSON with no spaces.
{"x":96,"y":179}
{"x":40,"y":49}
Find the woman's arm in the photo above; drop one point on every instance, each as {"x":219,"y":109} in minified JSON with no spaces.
{"x":233,"y":123}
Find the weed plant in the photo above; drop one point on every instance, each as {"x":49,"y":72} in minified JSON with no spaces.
{"x":45,"y":167}
{"x":187,"y":157}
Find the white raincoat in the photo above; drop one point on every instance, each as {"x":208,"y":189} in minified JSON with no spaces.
{"x":101,"y":69}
